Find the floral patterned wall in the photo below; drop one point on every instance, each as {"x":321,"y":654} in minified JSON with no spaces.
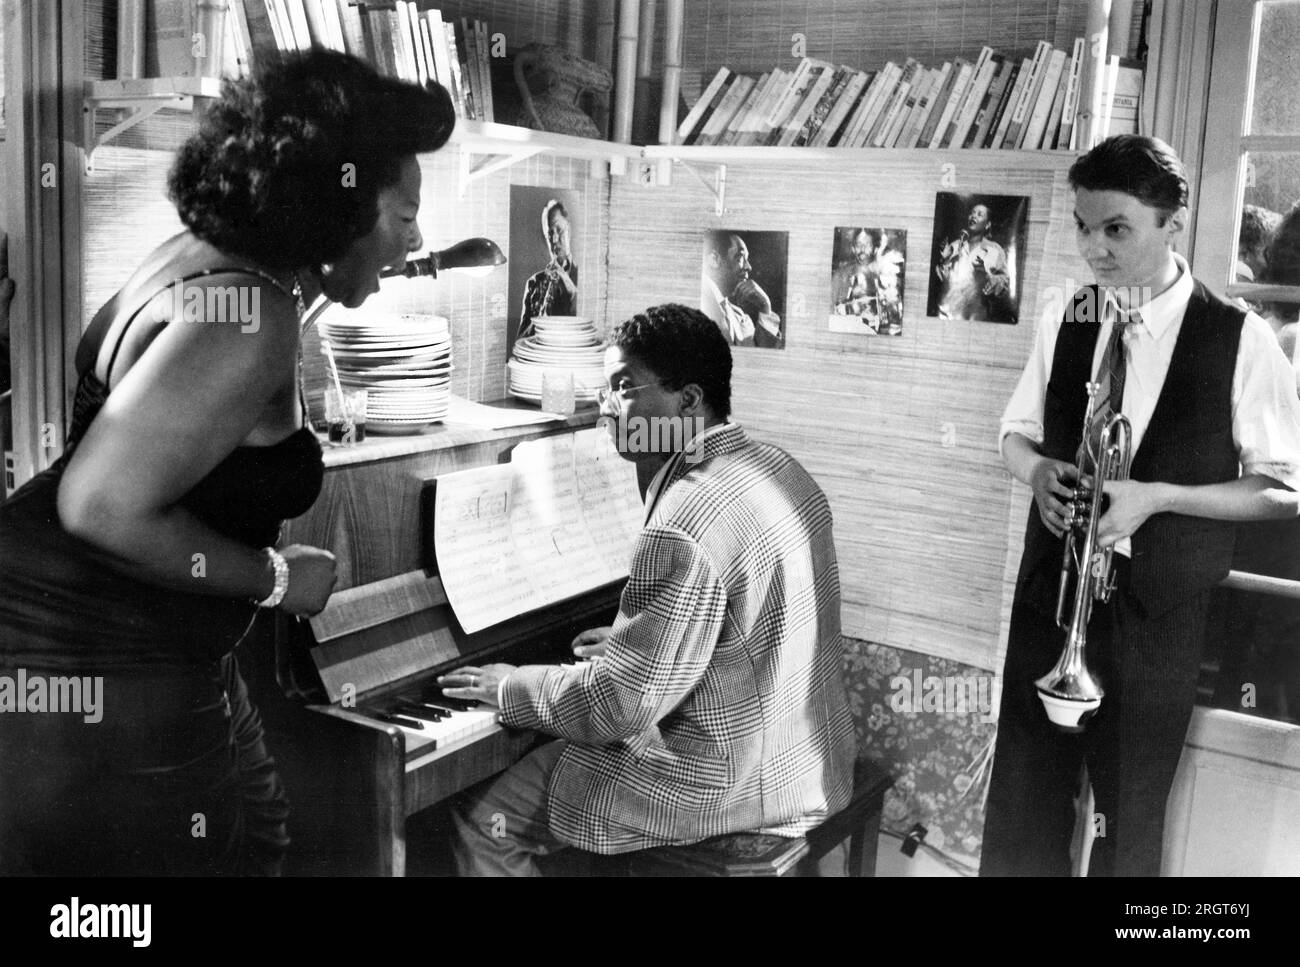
{"x":930,"y":722}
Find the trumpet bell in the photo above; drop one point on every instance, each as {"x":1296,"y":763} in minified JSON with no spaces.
{"x":1070,"y":700}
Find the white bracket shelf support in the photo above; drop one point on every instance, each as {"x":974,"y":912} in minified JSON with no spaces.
{"x":718,"y":187}
{"x":501,"y":146}
{"x":136,"y":100}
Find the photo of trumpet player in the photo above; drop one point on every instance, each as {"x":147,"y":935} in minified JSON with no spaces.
{"x":551,"y":290}
{"x":1147,"y":421}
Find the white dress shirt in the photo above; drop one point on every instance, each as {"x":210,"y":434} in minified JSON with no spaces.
{"x":1265,"y":408}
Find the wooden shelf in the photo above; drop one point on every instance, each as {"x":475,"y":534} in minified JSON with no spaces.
{"x":504,"y":145}
{"x":136,"y":100}
{"x":729,"y":154}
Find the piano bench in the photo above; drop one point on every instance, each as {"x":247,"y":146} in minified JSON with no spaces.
{"x":817,"y":853}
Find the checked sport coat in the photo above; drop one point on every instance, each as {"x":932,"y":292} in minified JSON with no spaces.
{"x":719,"y":705}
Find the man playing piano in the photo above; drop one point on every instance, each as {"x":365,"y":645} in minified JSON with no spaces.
{"x":718,"y":704}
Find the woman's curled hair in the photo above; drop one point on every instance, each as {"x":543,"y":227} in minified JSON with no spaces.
{"x":287,"y":165}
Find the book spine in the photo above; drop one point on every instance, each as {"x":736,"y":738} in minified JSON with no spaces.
{"x":732,"y":131}
{"x":1007,"y":95}
{"x":954,"y":98}
{"x":794,"y":93}
{"x":875,"y":134}
{"x":974,"y":98}
{"x":1028,"y":96}
{"x":977,"y":73}
{"x":1053,"y":128}
{"x":989,"y":106}
{"x":726,"y":109}
{"x":1032,"y":135}
{"x":924,"y":97}
{"x":824,"y":74}
{"x":894,"y":74}
{"x":1071,"y":107}
{"x":697,"y":110}
{"x":942,"y":88}
{"x":298,"y":24}
{"x":758,"y":130}
{"x":835,"y":119}
{"x":485,"y":68}
{"x":852,"y":127}
{"x":1000,"y":137}
{"x":350,"y":23}
{"x":885,"y":129}
{"x":823,"y":108}
{"x":458,"y":93}
{"x":800,"y":83}
{"x":1029,"y":100}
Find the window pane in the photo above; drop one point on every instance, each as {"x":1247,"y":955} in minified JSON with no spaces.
{"x":1277,"y":93}
{"x":1272,"y":188}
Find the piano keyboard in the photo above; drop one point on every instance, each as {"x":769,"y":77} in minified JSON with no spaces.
{"x":433,"y":721}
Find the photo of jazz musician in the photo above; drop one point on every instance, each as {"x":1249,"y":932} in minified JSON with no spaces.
{"x":977,"y":257}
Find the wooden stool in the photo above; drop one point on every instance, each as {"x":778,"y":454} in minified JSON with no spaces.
{"x":759,"y":854}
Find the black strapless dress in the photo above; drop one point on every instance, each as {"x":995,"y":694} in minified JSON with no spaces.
{"x":170,"y":775}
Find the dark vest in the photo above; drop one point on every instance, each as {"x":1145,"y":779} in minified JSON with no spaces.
{"x":1189,"y":441}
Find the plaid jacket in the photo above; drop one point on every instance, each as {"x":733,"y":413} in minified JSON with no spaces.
{"x":720,"y":703}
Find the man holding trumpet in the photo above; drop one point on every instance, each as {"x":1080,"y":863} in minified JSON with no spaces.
{"x":1215,"y":439}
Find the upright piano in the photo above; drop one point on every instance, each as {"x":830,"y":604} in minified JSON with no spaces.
{"x":363,"y":737}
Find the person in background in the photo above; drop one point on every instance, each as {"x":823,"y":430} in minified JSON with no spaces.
{"x":554,"y":290}
{"x":717,"y":704}
{"x":1257,"y":228}
{"x":137,"y":562}
{"x":1216,"y":440}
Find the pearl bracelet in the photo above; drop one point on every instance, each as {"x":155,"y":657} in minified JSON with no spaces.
{"x":281,"y":566}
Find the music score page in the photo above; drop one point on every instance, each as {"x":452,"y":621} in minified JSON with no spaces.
{"x":557,"y":521}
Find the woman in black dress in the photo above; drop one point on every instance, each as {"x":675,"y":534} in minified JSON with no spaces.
{"x":135,"y":564}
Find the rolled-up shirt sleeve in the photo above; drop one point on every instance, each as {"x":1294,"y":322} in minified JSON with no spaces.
{"x":1265,"y":407}
{"x":1024,"y":412}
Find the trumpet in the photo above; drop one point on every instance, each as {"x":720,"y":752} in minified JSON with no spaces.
{"x":1069,"y":692}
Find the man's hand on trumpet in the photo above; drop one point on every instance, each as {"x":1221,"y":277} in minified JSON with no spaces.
{"x":1129,"y":504}
{"x":1053,"y":482}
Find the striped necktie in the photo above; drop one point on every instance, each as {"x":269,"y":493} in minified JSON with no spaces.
{"x":1111,"y":376}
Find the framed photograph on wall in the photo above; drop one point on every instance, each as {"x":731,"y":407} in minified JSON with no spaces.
{"x":977,"y":258}
{"x":743,"y":285}
{"x":867,"y":281}
{"x":543,"y":261}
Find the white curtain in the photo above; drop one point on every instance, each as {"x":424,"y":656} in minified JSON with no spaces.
{"x":1176,"y":89}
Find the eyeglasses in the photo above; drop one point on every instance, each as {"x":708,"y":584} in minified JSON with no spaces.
{"x":616,"y":396}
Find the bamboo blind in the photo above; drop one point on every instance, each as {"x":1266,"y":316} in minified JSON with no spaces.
{"x":901,"y":432}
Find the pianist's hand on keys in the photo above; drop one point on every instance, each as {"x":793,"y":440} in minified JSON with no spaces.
{"x":475,"y":683}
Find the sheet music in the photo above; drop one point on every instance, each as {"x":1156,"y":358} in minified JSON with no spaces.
{"x":559,"y":520}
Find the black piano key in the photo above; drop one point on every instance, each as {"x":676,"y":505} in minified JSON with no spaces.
{"x":424,"y":712}
{"x":403,"y":720}
{"x":433,"y":695}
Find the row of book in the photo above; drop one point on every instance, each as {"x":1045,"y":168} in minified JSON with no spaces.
{"x":396,"y":37}
{"x":991,"y":102}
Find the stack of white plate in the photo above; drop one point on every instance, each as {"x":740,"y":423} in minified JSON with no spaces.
{"x":402,"y":361}
{"x":561,"y":346}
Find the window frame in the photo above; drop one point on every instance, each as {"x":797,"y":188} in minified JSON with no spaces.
{"x":1234,"y":63}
